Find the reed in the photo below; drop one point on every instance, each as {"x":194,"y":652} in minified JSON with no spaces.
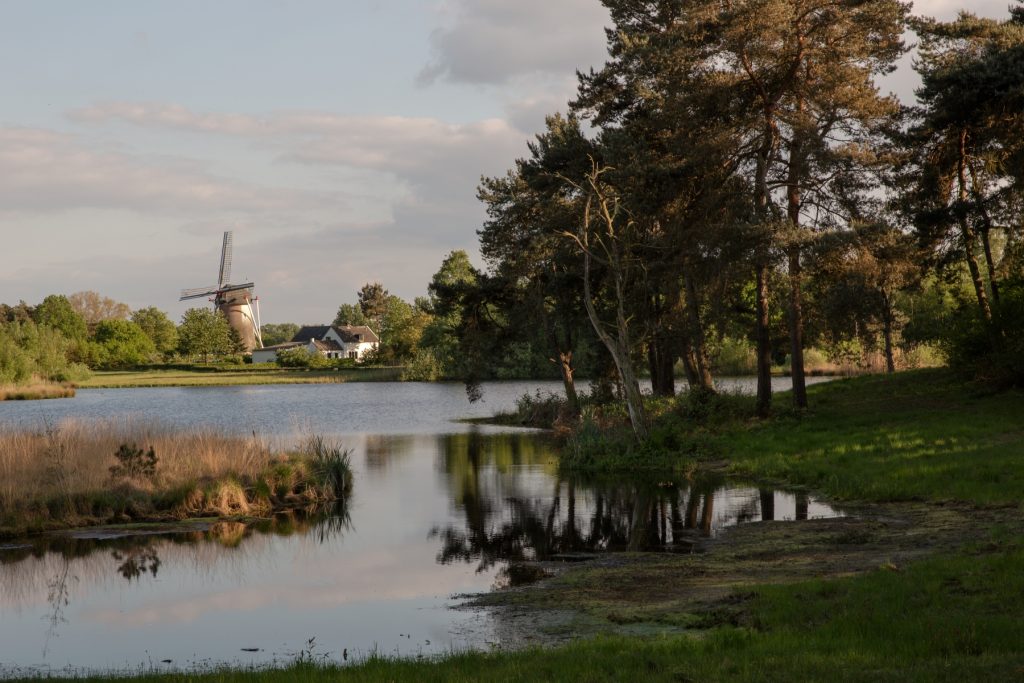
{"x":123,"y":469}
{"x":36,"y":390}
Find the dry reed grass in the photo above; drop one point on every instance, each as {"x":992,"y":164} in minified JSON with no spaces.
{"x":34,"y":391}
{"x":62,"y":475}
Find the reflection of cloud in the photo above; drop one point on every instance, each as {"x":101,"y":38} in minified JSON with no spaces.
{"x":384,"y":575}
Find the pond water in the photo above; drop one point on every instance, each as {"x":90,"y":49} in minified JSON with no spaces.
{"x":439,"y":509}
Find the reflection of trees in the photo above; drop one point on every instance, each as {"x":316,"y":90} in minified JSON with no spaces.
{"x":49,"y":566}
{"x":511,"y":514}
{"x":578,"y":516}
{"x":515,"y":506}
{"x":382,"y":449}
{"x":137,"y":561}
{"x":58,"y":597}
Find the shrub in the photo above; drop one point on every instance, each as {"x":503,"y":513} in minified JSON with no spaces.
{"x":134,"y":463}
{"x":735,"y":357}
{"x":330,"y":466}
{"x":992,"y":355}
{"x":301,"y":357}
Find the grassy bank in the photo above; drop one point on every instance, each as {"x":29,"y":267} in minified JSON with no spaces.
{"x":118,"y":471}
{"x":200,"y":376}
{"x":913,"y":436}
{"x":35,"y":391}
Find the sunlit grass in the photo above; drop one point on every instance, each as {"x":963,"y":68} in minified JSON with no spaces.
{"x":35,"y":391}
{"x":913,"y":436}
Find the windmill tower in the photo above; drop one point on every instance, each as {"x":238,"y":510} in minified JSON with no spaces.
{"x":234,"y":301}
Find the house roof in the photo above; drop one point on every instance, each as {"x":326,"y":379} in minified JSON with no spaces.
{"x":327,"y":345}
{"x":356,"y":333}
{"x":281,"y":347}
{"x":350,"y":334}
{"x":310,"y":332}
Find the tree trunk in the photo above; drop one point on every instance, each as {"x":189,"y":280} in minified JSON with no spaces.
{"x":796,"y":317}
{"x":796,"y":330}
{"x":890,"y":361}
{"x":967,"y":232}
{"x":764,"y":344}
{"x":618,"y":347}
{"x":690,"y":365}
{"x":661,"y":361}
{"x":563,"y":353}
{"x":568,"y":381}
{"x":985,"y":231}
{"x":762,"y":265}
{"x":700,"y":354}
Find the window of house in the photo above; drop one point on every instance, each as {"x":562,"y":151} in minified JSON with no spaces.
{"x":353,"y":354}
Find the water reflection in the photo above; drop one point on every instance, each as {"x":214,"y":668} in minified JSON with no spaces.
{"x":431,"y":516}
{"x":509,"y":514}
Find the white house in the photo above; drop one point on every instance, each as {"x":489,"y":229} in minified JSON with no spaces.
{"x":331,"y":341}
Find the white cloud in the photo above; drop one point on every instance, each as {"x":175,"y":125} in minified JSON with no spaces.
{"x":48,"y":171}
{"x":420,"y":151}
{"x":493,"y":41}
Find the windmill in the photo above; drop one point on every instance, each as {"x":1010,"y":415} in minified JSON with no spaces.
{"x":234,"y":301}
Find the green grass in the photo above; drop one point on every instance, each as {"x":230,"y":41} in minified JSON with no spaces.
{"x":919,"y":435}
{"x":232,"y":377}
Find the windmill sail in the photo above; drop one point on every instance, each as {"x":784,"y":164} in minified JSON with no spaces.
{"x":225,"y":260}
{"x":233,"y":301}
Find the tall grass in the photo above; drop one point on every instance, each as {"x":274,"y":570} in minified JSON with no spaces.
{"x":35,"y":390}
{"x":80,"y":472}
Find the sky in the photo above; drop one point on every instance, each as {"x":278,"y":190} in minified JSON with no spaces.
{"x":342,"y":142}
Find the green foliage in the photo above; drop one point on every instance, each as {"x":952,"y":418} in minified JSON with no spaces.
{"x":301,"y":357}
{"x":373,"y":304}
{"x":274,"y":334}
{"x":350,"y":314}
{"x":121,"y":343}
{"x":205,"y":333}
{"x":447,"y":288}
{"x":55,"y":311}
{"x":734,"y":357}
{"x":159,"y":328}
{"x":424,"y":367}
{"x":31,"y":352}
{"x":992,"y":354}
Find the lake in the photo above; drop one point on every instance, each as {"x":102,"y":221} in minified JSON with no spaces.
{"x":440,"y":508}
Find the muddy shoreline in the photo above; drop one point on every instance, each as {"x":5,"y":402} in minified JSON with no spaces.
{"x":671,"y":593}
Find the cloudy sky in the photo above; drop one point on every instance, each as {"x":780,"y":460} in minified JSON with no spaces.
{"x":341,"y":141}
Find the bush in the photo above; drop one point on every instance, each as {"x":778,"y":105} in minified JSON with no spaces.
{"x":992,"y":355}
{"x":735,"y":357}
{"x":134,"y":463}
{"x":424,"y":367}
{"x":301,"y":357}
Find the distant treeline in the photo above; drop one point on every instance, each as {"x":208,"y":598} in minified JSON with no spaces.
{"x":63,"y":337}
